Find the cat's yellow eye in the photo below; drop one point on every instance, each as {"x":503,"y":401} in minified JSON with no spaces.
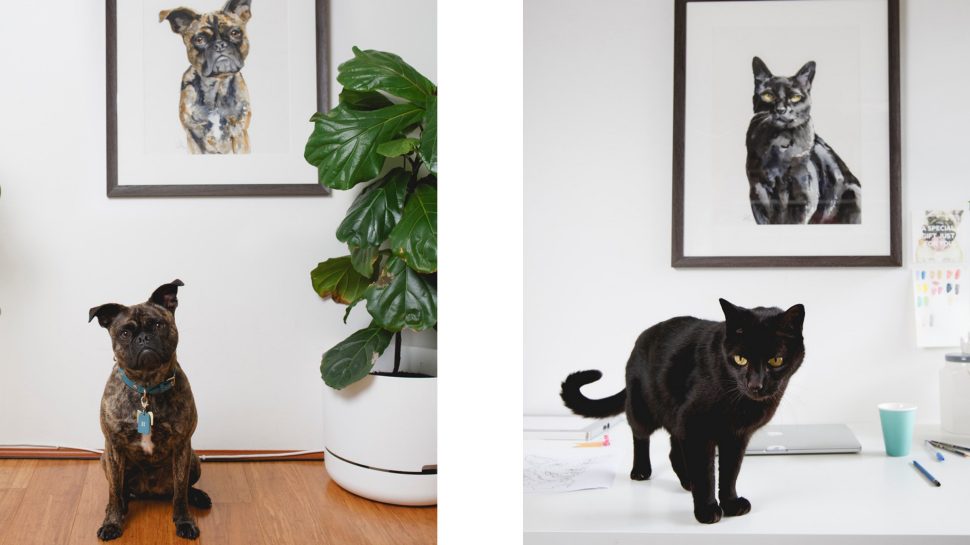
{"x":767,"y":97}
{"x":795,"y":99}
{"x":740,"y":360}
{"x":775,"y":362}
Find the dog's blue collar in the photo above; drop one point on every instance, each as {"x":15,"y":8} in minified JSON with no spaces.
{"x":159,"y":388}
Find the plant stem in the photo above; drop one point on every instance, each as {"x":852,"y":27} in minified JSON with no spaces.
{"x":397,"y":352}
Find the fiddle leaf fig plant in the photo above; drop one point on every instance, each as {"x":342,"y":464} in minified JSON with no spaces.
{"x":382,"y":135}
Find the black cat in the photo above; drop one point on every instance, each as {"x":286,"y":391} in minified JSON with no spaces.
{"x":707,"y":383}
{"x":794,"y":176}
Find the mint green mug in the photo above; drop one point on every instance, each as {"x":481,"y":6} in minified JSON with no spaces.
{"x":897,"y":421}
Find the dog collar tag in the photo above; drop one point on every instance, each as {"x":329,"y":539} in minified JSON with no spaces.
{"x":145,"y":421}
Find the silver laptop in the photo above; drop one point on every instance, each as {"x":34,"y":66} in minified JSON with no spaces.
{"x":803,"y":439}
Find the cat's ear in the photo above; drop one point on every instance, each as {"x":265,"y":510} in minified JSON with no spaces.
{"x":731,"y":312}
{"x":792,"y":321}
{"x":805,"y":76}
{"x":761,"y":73}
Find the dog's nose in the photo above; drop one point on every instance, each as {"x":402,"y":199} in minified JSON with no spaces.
{"x":221,"y":45}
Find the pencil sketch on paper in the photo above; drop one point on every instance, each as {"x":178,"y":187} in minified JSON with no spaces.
{"x":565,"y":470}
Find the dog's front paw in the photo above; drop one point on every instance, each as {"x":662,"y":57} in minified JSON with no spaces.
{"x":708,"y":514}
{"x":109,"y":531}
{"x":186,"y":529}
{"x":735,"y":507}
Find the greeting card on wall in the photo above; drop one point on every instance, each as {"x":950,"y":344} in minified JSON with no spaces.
{"x":941,"y":303}
{"x":213,"y":97}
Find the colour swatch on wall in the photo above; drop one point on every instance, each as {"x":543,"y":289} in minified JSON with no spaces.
{"x":942,"y":306}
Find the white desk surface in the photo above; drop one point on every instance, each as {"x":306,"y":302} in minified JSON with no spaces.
{"x":831,"y":498}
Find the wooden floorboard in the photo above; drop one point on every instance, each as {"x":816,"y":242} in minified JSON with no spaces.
{"x":47,"y":509}
{"x":61,"y":502}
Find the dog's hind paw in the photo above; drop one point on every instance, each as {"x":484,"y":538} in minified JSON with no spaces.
{"x":109,"y":531}
{"x":198,"y":498}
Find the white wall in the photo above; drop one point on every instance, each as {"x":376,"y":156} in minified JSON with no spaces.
{"x":252,"y":330}
{"x":598,"y":124}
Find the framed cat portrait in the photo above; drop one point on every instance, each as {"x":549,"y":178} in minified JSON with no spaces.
{"x":786,"y":133}
{"x":213,"y":97}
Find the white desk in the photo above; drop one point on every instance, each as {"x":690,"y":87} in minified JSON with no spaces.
{"x":830,"y":498}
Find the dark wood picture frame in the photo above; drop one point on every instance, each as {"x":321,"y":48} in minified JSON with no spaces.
{"x":678,"y":259}
{"x":212,"y":190}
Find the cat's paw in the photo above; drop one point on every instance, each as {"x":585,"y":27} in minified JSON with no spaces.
{"x":639,"y":474}
{"x":708,"y":514}
{"x":109,"y":531}
{"x":735,"y":507}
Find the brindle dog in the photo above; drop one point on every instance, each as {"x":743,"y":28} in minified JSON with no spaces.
{"x":214,"y":106}
{"x":161,"y":462}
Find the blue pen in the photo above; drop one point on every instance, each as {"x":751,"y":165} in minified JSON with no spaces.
{"x":926,"y":473}
{"x":929,"y":447}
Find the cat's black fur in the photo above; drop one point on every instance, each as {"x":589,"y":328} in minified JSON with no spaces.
{"x":793,"y":175}
{"x":682,"y":376}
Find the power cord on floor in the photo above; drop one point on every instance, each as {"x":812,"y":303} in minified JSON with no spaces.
{"x":203,"y":457}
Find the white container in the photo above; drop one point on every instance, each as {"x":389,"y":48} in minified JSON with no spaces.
{"x":380,"y":435}
{"x":955,"y":394}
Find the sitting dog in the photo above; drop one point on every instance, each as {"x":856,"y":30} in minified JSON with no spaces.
{"x":148,"y":414}
{"x":214,"y":107}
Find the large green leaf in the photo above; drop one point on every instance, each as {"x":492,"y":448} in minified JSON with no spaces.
{"x":397,"y":148}
{"x":429,"y":136}
{"x":344,"y":142}
{"x":351,"y":359}
{"x":376,"y":70}
{"x":363,"y":258}
{"x":337,"y":279}
{"x":375,"y":211}
{"x":364,"y":100}
{"x":415,"y":237}
{"x":402,"y":298}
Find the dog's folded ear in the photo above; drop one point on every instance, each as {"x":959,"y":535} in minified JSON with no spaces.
{"x":238,"y":7}
{"x":179,"y":18}
{"x":166,"y":295}
{"x":106,"y":313}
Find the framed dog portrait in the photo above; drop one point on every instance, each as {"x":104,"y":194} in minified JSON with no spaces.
{"x":786,"y":133}
{"x":214,"y":97}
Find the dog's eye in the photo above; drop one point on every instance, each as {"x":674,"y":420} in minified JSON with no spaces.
{"x":235,"y":33}
{"x":200,"y":39}
{"x":158,"y":325}
{"x":125,"y":333}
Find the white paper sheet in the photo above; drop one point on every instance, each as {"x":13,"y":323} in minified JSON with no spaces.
{"x":940,"y":299}
{"x":566,"y":469}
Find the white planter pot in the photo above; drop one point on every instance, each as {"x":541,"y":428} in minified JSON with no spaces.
{"x":380,"y":435}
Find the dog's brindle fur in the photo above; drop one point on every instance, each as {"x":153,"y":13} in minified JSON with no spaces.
{"x":214,"y":106}
{"x":161,"y":464}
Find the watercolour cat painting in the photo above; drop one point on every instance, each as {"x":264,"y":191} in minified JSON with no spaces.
{"x":794,"y":177}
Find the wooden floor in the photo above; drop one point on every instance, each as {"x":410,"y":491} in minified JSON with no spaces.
{"x":55,"y":502}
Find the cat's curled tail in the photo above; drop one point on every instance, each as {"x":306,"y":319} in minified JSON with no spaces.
{"x":584,"y":406}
